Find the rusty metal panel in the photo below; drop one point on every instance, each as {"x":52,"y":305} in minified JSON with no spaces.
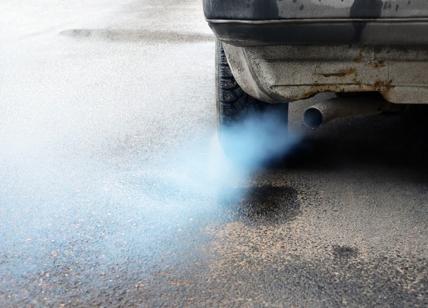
{"x":289,"y":73}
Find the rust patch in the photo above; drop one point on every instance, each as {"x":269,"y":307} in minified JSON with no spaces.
{"x":341,"y":73}
{"x":377,"y":64}
{"x":315,"y":89}
{"x":382,"y":85}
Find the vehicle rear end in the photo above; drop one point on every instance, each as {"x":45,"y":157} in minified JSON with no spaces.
{"x":288,"y":50}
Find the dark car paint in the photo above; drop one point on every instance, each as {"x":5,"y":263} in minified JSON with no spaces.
{"x":368,"y":22}
{"x":359,"y":8}
{"x":324,"y":33}
{"x":285,"y":9}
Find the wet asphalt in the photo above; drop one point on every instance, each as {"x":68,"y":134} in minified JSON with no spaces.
{"x":100,"y":100}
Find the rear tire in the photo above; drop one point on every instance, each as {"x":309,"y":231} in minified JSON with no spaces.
{"x":235,"y":109}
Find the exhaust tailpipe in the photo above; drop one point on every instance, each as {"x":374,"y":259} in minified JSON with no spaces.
{"x":343,"y":107}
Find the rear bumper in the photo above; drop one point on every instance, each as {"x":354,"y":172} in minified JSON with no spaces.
{"x":289,"y":73}
{"x":369,"y":32}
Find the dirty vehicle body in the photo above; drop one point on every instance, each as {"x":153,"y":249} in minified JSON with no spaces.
{"x":288,"y":50}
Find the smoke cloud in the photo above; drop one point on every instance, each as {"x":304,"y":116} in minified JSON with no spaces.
{"x":60,"y":206}
{"x":86,"y":179}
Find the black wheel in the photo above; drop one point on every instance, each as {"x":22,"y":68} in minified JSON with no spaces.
{"x":249,"y":129}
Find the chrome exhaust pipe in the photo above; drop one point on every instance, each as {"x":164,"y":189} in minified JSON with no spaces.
{"x":343,"y":107}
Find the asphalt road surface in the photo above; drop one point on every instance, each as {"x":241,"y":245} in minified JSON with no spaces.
{"x":112,"y":192}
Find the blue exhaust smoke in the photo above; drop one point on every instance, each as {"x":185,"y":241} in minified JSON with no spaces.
{"x":59,"y":206}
